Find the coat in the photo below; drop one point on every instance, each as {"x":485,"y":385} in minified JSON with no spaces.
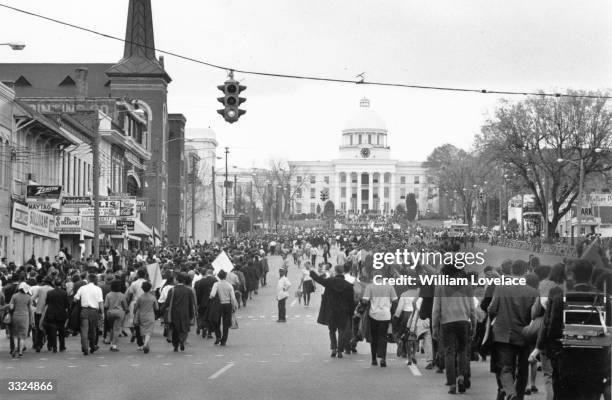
{"x":511,"y":308}
{"x":57,"y":306}
{"x":183,"y":307}
{"x":336,"y":301}
{"x":202,"y":289}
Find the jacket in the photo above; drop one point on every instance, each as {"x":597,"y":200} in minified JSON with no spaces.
{"x":336,"y":301}
{"x":511,"y":309}
{"x":57,"y":305}
{"x":451,"y":304}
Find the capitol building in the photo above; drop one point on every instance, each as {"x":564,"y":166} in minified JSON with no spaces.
{"x":364,"y":178}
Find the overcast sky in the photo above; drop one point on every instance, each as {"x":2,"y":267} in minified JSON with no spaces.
{"x":522,"y":45}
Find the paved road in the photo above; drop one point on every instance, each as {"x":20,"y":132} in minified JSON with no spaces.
{"x":263,"y":360}
{"x":495,"y":255}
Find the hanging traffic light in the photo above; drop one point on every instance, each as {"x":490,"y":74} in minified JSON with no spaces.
{"x":231,"y":99}
{"x":324,"y":195}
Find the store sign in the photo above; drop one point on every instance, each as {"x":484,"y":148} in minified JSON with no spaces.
{"x":32,"y":221}
{"x":599,"y":199}
{"x":47,"y":207}
{"x":128,"y":208}
{"x":142,"y":206}
{"x":122,"y":223}
{"x":68,"y":224}
{"x":44,"y":192}
{"x":76,"y":202}
{"x":88,"y":212}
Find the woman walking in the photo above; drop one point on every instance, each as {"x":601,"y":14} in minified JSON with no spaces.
{"x":22,"y":318}
{"x":116,"y":306}
{"x":306,"y":284}
{"x":144,"y":314}
{"x":379,"y":298}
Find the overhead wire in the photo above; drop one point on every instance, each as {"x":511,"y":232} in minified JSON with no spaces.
{"x":362,"y":81}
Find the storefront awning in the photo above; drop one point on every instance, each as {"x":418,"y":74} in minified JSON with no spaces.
{"x":140,"y":229}
{"x":130,"y":237}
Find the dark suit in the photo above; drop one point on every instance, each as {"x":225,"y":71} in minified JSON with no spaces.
{"x":55,"y":317}
{"x":181,"y":313}
{"x":202,"y":289}
{"x":336,"y":308}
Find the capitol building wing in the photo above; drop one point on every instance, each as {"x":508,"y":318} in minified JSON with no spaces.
{"x":364,"y":178}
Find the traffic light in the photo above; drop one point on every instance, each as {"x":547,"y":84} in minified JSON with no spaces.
{"x":324,"y":195}
{"x":231,"y":100}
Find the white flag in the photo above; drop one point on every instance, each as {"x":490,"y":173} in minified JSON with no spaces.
{"x":222,"y":262}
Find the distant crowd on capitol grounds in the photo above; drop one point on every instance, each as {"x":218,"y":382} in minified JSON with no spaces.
{"x":417,"y":288}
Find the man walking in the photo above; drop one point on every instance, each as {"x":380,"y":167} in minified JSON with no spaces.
{"x":336,"y":308}
{"x":92,"y":305}
{"x":511,"y":308}
{"x":282,"y":293}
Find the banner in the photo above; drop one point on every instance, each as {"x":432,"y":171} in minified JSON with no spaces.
{"x":142,"y":205}
{"x":155,"y":275}
{"x":598,"y":199}
{"x":44,"y":192}
{"x":121,"y":223}
{"x":128,"y":208}
{"x":68,"y":224}
{"x":222,"y":262}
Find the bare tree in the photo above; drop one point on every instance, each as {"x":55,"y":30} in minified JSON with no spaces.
{"x":528,"y":138}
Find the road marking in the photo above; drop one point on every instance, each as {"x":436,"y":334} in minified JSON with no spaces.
{"x":198,"y":363}
{"x":72,"y":366}
{"x":276,"y":354}
{"x":71,"y":358}
{"x":263,"y":361}
{"x":248,"y":354}
{"x":102,"y":365}
{"x":167,"y":364}
{"x":239,"y":317}
{"x":262,"y":316}
{"x":305,"y":354}
{"x":309,"y":316}
{"x":10,"y":367}
{"x":415,"y":370}
{"x":188,"y":355}
{"x":221,"y":371}
{"x":43,"y":359}
{"x":134,"y":365}
{"x":219,"y":355}
{"x":157,"y":356}
{"x":100,"y":357}
{"x":293,"y":303}
{"x":250,"y":316}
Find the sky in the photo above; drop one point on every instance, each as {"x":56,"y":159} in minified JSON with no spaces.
{"x":518,"y":45}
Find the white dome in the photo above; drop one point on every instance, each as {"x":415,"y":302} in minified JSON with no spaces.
{"x":365,"y":119}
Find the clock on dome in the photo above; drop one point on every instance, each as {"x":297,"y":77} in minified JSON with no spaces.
{"x":365,"y":152}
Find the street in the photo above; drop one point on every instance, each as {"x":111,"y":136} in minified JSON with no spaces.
{"x":263,"y":360}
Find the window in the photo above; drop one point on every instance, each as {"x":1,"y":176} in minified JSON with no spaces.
{"x":386,"y":207}
{"x":313,"y":194}
{"x":416,"y":193}
{"x":369,"y":139}
{"x":312,"y":208}
{"x":326,"y":180}
{"x":343,"y":192}
{"x":416,"y":180}
{"x":298,"y":208}
{"x":387,"y":178}
{"x":298,"y":193}
{"x":342,"y":178}
{"x":313,"y":179}
{"x":359,"y":138}
{"x":386,"y":193}
{"x":343,"y":206}
{"x":378,"y":140}
{"x":402,"y":193}
{"x":353,"y":177}
{"x":403,"y":180}
{"x":351,"y":136}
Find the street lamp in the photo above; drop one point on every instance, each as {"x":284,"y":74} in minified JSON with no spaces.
{"x":14,"y":45}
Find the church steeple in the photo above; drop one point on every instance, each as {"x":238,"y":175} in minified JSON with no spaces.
{"x":139,"y":51}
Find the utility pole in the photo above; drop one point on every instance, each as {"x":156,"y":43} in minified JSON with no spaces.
{"x":214,"y":193}
{"x":193,"y":196}
{"x":251,"y":208}
{"x":226,"y":186}
{"x":96,"y":185}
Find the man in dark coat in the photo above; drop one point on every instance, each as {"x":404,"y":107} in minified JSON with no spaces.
{"x":202,"y":289}
{"x":182,"y":311}
{"x":56,"y":313}
{"x":336,"y":308}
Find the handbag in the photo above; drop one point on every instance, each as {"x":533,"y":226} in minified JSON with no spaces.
{"x":531,"y":331}
{"x":7,"y":319}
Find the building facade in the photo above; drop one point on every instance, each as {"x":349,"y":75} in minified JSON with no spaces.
{"x":364,"y":178}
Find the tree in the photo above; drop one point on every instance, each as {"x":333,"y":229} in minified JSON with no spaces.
{"x":456,"y":171}
{"x":318,"y":209}
{"x":526,"y":140}
{"x":513,"y":225}
{"x":400,"y":210}
{"x":411,"y":207}
{"x":329,"y":210}
{"x":244,"y":223}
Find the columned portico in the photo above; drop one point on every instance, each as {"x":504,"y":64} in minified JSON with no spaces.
{"x":358,"y":192}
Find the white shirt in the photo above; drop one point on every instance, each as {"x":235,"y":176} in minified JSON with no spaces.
{"x":282,"y":288}
{"x":90,"y":296}
{"x":349,"y":278}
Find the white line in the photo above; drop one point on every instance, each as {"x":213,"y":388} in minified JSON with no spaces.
{"x":103,"y":365}
{"x":72,"y":366}
{"x":134,"y":365}
{"x":415,"y":370}
{"x":222,"y":370}
{"x":293,"y":303}
{"x":41,"y":366}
